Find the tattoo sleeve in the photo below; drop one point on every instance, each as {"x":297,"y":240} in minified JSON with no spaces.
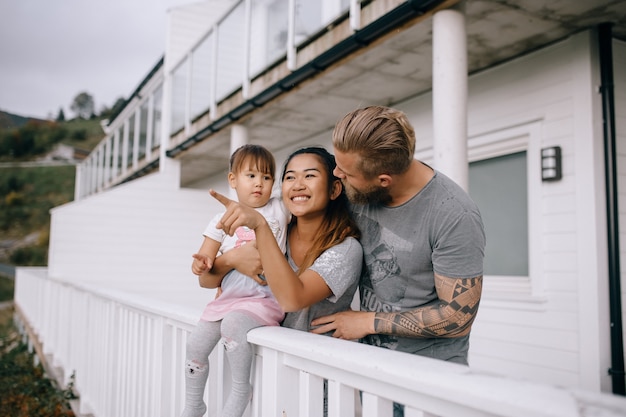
{"x":451,"y":317}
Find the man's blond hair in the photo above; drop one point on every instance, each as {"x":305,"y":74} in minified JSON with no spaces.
{"x":381,"y":136}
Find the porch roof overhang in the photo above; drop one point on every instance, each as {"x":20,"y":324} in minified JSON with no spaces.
{"x":387,"y":62}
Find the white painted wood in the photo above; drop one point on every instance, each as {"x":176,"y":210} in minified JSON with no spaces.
{"x":590,"y":217}
{"x":536,"y":337}
{"x":294,"y":365}
{"x":375,"y":406}
{"x":450,"y":93}
{"x":341,"y":400}
{"x":141,"y":215}
{"x":133,"y":243}
{"x":311,"y":396}
{"x":188,"y":23}
{"x":619,"y":52}
{"x":238,"y":137}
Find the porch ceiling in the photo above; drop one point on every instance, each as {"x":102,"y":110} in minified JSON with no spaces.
{"x":400,"y":67}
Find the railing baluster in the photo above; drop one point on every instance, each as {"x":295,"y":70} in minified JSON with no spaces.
{"x":311,"y":394}
{"x":374,"y":406}
{"x":130,"y":344}
{"x":340,"y":400}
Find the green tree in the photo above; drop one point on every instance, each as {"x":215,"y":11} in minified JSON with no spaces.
{"x":60,"y":116}
{"x":33,"y":138}
{"x":83,"y":105}
{"x":79,"y":135}
{"x":110,"y":113}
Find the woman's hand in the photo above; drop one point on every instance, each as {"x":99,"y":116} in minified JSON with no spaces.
{"x":236,"y":215}
{"x":245,"y":259}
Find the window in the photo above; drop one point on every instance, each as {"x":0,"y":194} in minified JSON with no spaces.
{"x":268,"y":33}
{"x":156,"y":119}
{"x":143,"y":130}
{"x":230,"y":53}
{"x":505,"y":182}
{"x":499,"y":187}
{"x":201,"y":73}
{"x":131,"y":140}
{"x":179,"y":96}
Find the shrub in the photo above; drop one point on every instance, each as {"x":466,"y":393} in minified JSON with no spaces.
{"x":26,"y":391}
{"x":29,"y":256}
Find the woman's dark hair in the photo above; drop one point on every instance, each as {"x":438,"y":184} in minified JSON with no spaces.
{"x":338,"y":223}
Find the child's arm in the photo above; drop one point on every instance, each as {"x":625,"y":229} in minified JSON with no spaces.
{"x":203,"y":260}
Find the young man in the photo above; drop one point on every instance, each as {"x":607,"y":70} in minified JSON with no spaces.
{"x":423,"y":242}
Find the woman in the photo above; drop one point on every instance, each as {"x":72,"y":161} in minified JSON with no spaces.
{"x":319,"y":274}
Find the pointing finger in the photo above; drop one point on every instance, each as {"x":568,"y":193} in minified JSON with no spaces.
{"x":221,"y":198}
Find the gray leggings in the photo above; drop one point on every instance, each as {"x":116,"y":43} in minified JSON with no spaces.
{"x":233,"y":329}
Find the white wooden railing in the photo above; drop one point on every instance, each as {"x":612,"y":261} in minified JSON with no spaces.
{"x":126,"y":355}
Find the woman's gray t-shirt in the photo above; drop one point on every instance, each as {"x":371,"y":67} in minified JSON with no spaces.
{"x":340,"y":266}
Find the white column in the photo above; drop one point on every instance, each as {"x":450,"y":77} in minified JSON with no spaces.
{"x":167,"y":165}
{"x":245,"y":86}
{"x":291,"y":35}
{"x":93,"y":172}
{"x":135,"y":138}
{"x":238,"y":137}
{"x":149,"y":127}
{"x":115,"y":163}
{"x":78,"y":182}
{"x":107,"y":161}
{"x":450,"y":94}
{"x":125,"y":146}
{"x":100,"y":170}
{"x":166,"y":119}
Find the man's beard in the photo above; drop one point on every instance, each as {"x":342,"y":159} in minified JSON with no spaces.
{"x":373,"y":195}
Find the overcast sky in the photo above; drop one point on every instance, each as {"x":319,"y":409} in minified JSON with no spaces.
{"x":50,"y":51}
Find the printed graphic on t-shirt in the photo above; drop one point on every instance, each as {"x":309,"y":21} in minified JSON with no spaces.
{"x":381,"y":340}
{"x":245,"y":234}
{"x":383,"y":286}
{"x":383,"y":272}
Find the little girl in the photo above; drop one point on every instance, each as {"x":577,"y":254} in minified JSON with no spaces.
{"x":243,"y":303}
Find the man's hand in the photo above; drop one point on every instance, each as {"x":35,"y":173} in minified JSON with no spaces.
{"x":348,"y":325}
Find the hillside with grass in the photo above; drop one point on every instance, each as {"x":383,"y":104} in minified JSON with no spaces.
{"x":28,"y":193}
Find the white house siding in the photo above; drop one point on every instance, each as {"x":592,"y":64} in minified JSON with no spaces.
{"x":553,"y":326}
{"x":619,"y":52}
{"x":137,"y":238}
{"x":559,"y":333}
{"x":186,"y":25}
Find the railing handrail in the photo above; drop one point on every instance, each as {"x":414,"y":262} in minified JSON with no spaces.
{"x":290,"y":368}
{"x":426,"y":384}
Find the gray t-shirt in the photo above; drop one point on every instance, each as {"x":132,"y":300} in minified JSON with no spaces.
{"x":438,"y":230}
{"x":340,"y":267}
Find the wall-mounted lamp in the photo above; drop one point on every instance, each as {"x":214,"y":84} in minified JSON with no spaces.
{"x":551,"y":164}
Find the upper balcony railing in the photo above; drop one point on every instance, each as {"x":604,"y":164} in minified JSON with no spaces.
{"x":251,"y":37}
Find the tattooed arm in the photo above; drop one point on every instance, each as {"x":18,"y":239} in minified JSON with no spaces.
{"x":451,"y":317}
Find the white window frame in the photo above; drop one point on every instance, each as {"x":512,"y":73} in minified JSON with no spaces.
{"x":526,"y":292}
